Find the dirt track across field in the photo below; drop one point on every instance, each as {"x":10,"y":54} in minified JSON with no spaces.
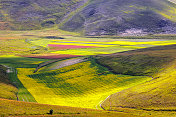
{"x":65,"y":63}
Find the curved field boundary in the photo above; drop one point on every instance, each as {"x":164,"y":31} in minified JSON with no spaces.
{"x":80,"y":85}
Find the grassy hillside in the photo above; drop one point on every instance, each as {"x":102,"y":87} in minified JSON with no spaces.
{"x":157,"y":94}
{"x":17,"y":108}
{"x":148,"y":61}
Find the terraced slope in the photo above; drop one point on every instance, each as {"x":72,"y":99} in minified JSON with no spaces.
{"x":157,"y":94}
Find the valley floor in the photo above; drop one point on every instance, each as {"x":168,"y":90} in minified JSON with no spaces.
{"x":81,"y":72}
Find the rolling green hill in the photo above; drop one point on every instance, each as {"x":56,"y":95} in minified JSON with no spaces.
{"x":148,"y":61}
{"x":157,"y":94}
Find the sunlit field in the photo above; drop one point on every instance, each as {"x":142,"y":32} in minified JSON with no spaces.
{"x":64,"y":46}
{"x":13,"y":62}
{"x":81,"y":85}
{"x":20,"y":48}
{"x":60,"y":44}
{"x":43,"y":69}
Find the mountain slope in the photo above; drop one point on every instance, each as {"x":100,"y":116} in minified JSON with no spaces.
{"x":134,"y":17}
{"x":90,"y":17}
{"x":34,"y":14}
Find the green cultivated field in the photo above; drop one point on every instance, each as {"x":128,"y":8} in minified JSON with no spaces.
{"x":19,"y":62}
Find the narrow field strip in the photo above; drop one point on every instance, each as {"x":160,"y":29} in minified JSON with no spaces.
{"x":62,"y":47}
{"x":13,"y":62}
{"x":167,"y":42}
{"x":82,"y":44}
{"x":96,"y":51}
{"x":79,"y":52}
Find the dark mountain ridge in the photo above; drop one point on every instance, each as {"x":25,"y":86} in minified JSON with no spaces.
{"x":134,"y":17}
{"x":34,"y":14}
{"x":91,"y":17}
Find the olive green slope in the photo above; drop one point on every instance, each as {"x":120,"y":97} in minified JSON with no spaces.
{"x":157,"y":94}
{"x":18,"y":108}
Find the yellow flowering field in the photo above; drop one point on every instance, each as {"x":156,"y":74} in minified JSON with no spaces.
{"x":81,"y":85}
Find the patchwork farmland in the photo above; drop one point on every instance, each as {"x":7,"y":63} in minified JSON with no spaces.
{"x":88,"y":58}
{"x":65,"y":70}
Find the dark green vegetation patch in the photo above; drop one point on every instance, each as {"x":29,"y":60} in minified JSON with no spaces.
{"x":147,"y":61}
{"x":155,"y":95}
